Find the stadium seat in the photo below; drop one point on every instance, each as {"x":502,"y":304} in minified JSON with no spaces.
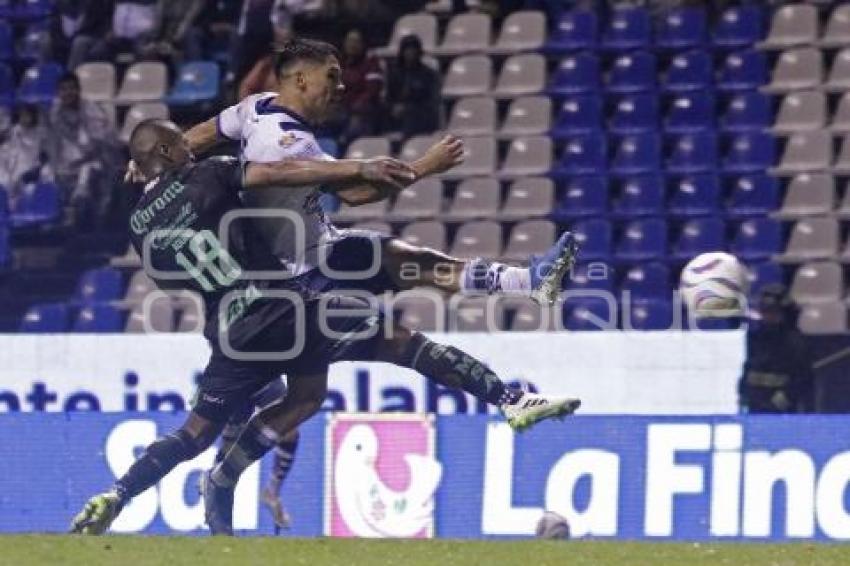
{"x":747,"y":111}
{"x":475,"y":314}
{"x":139,"y":287}
{"x":415,"y":147}
{"x":6,"y":9}
{"x":805,"y":151}
{"x":584,"y":154}
{"x":468,"y":75}
{"x":837,"y":32}
{"x":139,"y":113}
{"x":580,"y":114}
{"x":527,"y":116}
{"x":792,"y":25}
{"x":634,"y":113}
{"x":757,"y":239}
{"x":739,"y":26}
{"x":465,"y":33}
{"x":574,"y":30}
{"x":528,"y":316}
{"x":643,"y":240}
{"x":801,"y":112}
{"x":521,"y":75}
{"x":7,"y":43}
{"x":481,"y":238}
{"x":843,"y":211}
{"x":576,"y":74}
{"x":840,"y":123}
{"x":828,"y":318}
{"x":143,"y":82}
{"x":528,"y":197}
{"x":196,"y":82}
{"x":595,"y":237}
{"x":529,"y":237}
{"x":839,"y":74}
{"x":423,"y":199}
{"x":700,"y":235}
{"x":590,"y":276}
{"x":749,"y":152}
{"x":692,"y":153}
{"x":46,"y":318}
{"x":639,"y":195}
{"x":97,"y":81}
{"x":812,"y":239}
{"x":743,"y":70}
{"x":422,"y":25}
{"x":760,"y":274}
{"x":475,"y":198}
{"x":28,"y":10}
{"x":481,"y":158}
{"x":7,"y":86}
{"x":523,"y":30}
{"x":473,"y":116}
{"x":34,"y":45}
{"x":428,"y":234}
{"x":797,"y":69}
{"x":628,"y":28}
{"x":694,"y":195}
{"x":808,"y":194}
{"x":818,"y":282}
{"x":99,"y":318}
{"x":101,"y":284}
{"x":842,"y":162}
{"x":632,"y":72}
{"x":690,"y":112}
{"x":37,"y":204}
{"x":752,"y":195}
{"x":691,"y":70}
{"x":422,"y":310}
{"x":649,"y":314}
{"x":527,"y":156}
{"x":5,"y":248}
{"x":589,"y":314}
{"x":647,"y":280}
{"x":158,"y":317}
{"x":367,"y":147}
{"x":583,"y":197}
{"x":39,"y":83}
{"x":681,"y":28}
{"x":636,"y":154}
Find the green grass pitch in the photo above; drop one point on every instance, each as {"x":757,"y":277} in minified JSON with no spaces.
{"x":248,"y":551}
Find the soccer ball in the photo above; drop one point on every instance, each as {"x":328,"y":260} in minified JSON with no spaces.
{"x":714,"y":285}
{"x":552,"y":526}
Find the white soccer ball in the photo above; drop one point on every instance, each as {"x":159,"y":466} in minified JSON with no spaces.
{"x":552,"y":526}
{"x":714,"y":285}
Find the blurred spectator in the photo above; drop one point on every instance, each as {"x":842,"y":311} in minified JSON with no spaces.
{"x":23,"y":155}
{"x":133,"y":24}
{"x":83,"y":149}
{"x":174,"y":35}
{"x":363,"y":79}
{"x":413,"y":91}
{"x":254,"y":34}
{"x":78,"y":26}
{"x":777,"y":374}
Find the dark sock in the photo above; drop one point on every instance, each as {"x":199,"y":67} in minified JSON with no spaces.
{"x":157,"y":461}
{"x":284,"y":458}
{"x":256,"y":439}
{"x":228,"y":436}
{"x":453,"y":368}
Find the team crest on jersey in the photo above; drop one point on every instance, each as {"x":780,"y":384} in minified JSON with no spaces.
{"x":287,"y":139}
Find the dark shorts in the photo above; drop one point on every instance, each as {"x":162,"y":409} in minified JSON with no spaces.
{"x":351,"y":332}
{"x":354,"y":262}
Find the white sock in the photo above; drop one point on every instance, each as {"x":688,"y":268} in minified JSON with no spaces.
{"x":514,"y":280}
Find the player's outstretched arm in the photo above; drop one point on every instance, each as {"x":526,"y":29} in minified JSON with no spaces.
{"x":440,"y":157}
{"x":203,"y":137}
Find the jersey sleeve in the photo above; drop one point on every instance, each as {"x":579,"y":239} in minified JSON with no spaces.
{"x":282,"y":143}
{"x":229,"y":122}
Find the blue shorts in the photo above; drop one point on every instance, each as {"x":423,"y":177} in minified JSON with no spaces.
{"x":355,"y":262}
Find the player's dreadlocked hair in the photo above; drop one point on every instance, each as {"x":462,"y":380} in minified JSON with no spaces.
{"x":296,"y":50}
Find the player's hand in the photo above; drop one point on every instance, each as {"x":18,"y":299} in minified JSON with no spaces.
{"x":133,"y":175}
{"x":387,"y":172}
{"x":445,"y":154}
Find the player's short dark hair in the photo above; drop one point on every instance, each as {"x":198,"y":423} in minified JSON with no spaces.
{"x":146,"y":140}
{"x":299,"y":49}
{"x":70,"y":78}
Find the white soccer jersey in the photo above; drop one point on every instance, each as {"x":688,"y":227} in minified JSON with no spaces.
{"x":270,"y":133}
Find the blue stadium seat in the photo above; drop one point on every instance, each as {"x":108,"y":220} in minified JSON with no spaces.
{"x":743,"y":70}
{"x":649,"y":314}
{"x":102,"y":284}
{"x":589,"y":314}
{"x":596,"y":276}
{"x":634,"y":113}
{"x":640,"y":195}
{"x":694,"y":195}
{"x":578,"y":73}
{"x":697,"y":236}
{"x":691,"y":70}
{"x":5,"y":246}
{"x":39,"y":83}
{"x":38,"y":204}
{"x":580,"y":113}
{"x":7,"y":43}
{"x":632,"y":72}
{"x":6,"y":8}
{"x":636,"y":154}
{"x":643,"y":240}
{"x":4,"y":205}
{"x":595,"y":237}
{"x":43,"y":318}
{"x":99,"y":317}
{"x":739,"y":26}
{"x":575,"y":29}
{"x":31,"y":47}
{"x":583,"y":196}
{"x":757,"y":238}
{"x":764,"y":273}
{"x":752,"y":195}
{"x":329,"y":146}
{"x":647,"y":280}
{"x":690,"y":112}
{"x":7,"y":86}
{"x":750,"y":152}
{"x":628,"y":28}
{"x":693,"y":153}
{"x":196,"y":82}
{"x":32,"y":9}
{"x":681,"y":28}
{"x":747,"y":111}
{"x":584,"y":154}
